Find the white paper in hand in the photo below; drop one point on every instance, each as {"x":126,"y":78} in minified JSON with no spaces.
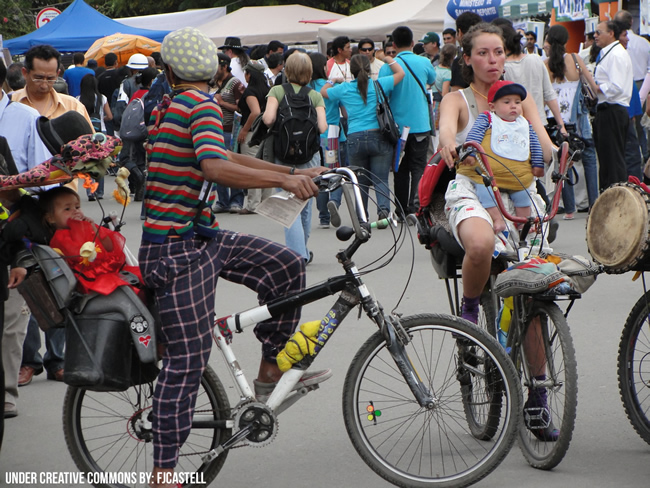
{"x":282,"y":207}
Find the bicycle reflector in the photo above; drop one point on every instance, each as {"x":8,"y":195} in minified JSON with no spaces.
{"x":372,"y":413}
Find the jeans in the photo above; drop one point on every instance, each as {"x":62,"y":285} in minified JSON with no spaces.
{"x":335,"y":196}
{"x":568,"y":196}
{"x":229,"y":197}
{"x":589,"y":161}
{"x":100,"y":188}
{"x":370,"y":151}
{"x":54,"y":343}
{"x":410,"y":171}
{"x":297,"y":235}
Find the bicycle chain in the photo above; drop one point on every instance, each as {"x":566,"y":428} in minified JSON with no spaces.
{"x":271,"y":439}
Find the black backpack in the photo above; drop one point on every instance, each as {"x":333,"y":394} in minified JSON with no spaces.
{"x":297,"y":138}
{"x":133,"y":127}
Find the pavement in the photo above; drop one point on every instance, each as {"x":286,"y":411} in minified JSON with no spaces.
{"x":312,"y":448}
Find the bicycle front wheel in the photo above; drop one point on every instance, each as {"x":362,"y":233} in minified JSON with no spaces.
{"x":483,"y":405}
{"x":546,"y":430}
{"x":414,"y":446}
{"x":634,"y":367}
{"x":109,"y":433}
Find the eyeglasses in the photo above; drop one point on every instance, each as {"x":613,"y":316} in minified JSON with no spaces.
{"x":391,"y":53}
{"x":50,"y":80}
{"x":366,"y":49}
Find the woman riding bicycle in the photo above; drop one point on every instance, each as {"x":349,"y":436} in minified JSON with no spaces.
{"x":484,"y":58}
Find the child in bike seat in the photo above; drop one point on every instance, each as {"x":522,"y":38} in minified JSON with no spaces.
{"x":512,"y":147}
{"x":95,"y":253}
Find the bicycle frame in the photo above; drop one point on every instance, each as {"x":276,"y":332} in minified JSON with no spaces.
{"x":564,"y":166}
{"x":352,"y":291}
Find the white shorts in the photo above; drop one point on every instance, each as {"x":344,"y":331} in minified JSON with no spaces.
{"x":462,"y":203}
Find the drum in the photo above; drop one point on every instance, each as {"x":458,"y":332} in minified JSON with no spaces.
{"x":618,"y":229}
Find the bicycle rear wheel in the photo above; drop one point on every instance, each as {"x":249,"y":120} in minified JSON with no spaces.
{"x":634,"y":367}
{"x":109,"y":433}
{"x":413,"y":446}
{"x":562,"y":394}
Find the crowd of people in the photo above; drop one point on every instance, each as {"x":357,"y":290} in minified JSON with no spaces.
{"x":229,"y":141}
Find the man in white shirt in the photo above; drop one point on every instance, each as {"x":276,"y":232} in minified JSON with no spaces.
{"x":367,"y":48}
{"x":613,"y":75}
{"x":639,"y":50}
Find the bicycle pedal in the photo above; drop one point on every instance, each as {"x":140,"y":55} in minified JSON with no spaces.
{"x":537,"y":417}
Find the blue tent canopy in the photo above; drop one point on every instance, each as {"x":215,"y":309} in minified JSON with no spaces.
{"x":75,"y":30}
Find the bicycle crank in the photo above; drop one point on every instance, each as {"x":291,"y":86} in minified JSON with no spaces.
{"x":257,"y":426}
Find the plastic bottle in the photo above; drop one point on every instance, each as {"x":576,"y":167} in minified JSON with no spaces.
{"x":505,"y":316}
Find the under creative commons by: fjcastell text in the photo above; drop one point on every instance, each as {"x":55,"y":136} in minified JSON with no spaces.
{"x":70,"y":478}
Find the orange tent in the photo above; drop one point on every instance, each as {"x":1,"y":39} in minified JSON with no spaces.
{"x":124,"y":45}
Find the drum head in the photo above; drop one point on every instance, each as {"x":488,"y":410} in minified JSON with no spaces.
{"x":618,"y":227}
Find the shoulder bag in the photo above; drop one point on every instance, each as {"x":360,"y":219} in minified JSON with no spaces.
{"x":590,"y":98}
{"x":427,"y":96}
{"x":387,"y":125}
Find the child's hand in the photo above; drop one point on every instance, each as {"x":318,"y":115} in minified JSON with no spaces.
{"x":16,"y":277}
{"x":468,"y":161}
{"x":538,"y":172}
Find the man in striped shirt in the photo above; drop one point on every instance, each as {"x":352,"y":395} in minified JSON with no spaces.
{"x":183,"y":251}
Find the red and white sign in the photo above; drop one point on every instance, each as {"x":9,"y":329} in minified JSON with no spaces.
{"x":45,"y":15}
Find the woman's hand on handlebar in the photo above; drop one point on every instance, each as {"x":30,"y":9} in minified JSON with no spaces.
{"x":449,"y":154}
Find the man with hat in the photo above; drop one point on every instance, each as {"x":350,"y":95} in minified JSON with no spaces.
{"x":229,"y":91}
{"x":431,"y":44}
{"x":18,"y":127}
{"x":132,"y":156}
{"x":238,"y":58}
{"x":183,"y":250}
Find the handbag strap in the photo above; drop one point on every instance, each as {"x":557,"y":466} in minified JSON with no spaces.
{"x":424,"y":92}
{"x":577,"y":64}
{"x":379,"y":91}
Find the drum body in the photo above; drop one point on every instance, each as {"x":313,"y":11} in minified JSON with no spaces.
{"x":618,"y":229}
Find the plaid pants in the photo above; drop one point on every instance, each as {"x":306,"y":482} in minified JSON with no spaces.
{"x":184,"y":275}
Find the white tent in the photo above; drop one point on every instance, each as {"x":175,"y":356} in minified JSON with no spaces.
{"x":421,"y":16}
{"x":176,"y":20}
{"x":260,"y":25}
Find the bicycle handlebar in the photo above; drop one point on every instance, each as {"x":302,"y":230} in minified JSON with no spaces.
{"x":347,"y":179}
{"x":472,"y":147}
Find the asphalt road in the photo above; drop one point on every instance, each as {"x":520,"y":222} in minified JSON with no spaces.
{"x":312,"y":448}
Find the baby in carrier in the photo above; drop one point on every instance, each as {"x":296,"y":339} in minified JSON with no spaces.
{"x":508,"y":137}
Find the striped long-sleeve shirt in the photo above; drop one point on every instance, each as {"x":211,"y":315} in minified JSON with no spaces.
{"x":190,"y":132}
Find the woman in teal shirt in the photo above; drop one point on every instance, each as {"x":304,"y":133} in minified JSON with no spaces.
{"x":366,"y":147}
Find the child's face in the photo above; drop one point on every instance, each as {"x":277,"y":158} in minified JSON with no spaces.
{"x":508,"y":107}
{"x":65,"y":207}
